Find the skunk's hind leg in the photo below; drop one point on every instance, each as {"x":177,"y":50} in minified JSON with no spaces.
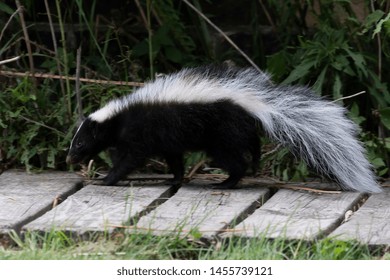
{"x":234,"y":164}
{"x":176,"y":166}
{"x":255,"y":151}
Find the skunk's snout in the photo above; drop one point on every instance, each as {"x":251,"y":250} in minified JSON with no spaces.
{"x":68,"y":159}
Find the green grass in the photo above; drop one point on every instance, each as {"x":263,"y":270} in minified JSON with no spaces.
{"x":57,"y":245}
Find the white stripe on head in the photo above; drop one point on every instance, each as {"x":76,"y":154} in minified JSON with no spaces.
{"x":74,"y":137}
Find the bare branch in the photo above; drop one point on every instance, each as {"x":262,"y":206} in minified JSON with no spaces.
{"x":10,"y":60}
{"x":52,"y":76}
{"x":350,"y":96}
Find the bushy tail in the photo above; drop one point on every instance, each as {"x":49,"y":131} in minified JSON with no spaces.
{"x":319,"y":132}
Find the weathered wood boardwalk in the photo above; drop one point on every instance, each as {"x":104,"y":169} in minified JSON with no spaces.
{"x":58,"y":201}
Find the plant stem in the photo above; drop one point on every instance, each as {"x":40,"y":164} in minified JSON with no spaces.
{"x":66,"y":63}
{"x":54,"y":39}
{"x":8,"y":22}
{"x":77,"y":88}
{"x":150,"y":33}
{"x":26,"y":39}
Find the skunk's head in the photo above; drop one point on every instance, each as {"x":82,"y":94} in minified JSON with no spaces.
{"x":87,"y":142}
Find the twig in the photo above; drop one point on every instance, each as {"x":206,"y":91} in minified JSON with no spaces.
{"x":379,"y":42}
{"x":29,"y":51}
{"x":141,"y":12}
{"x":54,"y":40}
{"x":8,"y":22}
{"x":350,"y":96}
{"x":26,"y":37}
{"x":134,"y":227}
{"x":272,"y":151}
{"x":223,"y":34}
{"x":43,"y":125}
{"x":195,"y":169}
{"x":65,"y":59}
{"x":150,"y":35}
{"x":78,"y":96}
{"x":52,"y":76}
{"x":268,"y":16}
{"x":307,"y":189}
{"x":10,"y":60}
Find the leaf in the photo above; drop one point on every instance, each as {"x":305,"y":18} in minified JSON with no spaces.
{"x":372,"y":19}
{"x":300,"y":71}
{"x":5,"y":8}
{"x":277,"y":64}
{"x":340,"y":62}
{"x":337,"y":88}
{"x":385,"y":116}
{"x":378,"y":162}
{"x":378,"y":27}
{"x":359,"y":61}
{"x":2,"y":124}
{"x":173,"y":54}
{"x":317,"y":87}
{"x":354,"y":114}
{"x":141,"y":49}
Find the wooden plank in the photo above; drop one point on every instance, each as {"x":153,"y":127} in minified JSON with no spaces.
{"x":196,"y":206}
{"x":369,"y":224}
{"x":23,"y":197}
{"x":98,"y":208}
{"x":297,"y":215}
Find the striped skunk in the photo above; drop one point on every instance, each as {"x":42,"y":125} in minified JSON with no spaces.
{"x":222,"y":111}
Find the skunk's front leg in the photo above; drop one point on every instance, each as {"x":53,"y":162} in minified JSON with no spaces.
{"x":123,"y":165}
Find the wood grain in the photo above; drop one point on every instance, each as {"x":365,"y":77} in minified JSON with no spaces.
{"x":199,"y":208}
{"x":23,"y":197}
{"x":297,"y":215}
{"x":98,"y":208}
{"x":370,"y":224}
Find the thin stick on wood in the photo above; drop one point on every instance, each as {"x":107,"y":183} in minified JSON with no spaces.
{"x":195,"y":169}
{"x":52,"y":76}
{"x":307,"y":189}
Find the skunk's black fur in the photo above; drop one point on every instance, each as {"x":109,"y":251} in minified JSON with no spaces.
{"x":225,"y":131}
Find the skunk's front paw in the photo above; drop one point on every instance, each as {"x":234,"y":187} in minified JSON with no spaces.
{"x":109,"y":180}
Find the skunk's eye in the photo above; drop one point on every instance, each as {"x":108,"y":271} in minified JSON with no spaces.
{"x":79,"y":144}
